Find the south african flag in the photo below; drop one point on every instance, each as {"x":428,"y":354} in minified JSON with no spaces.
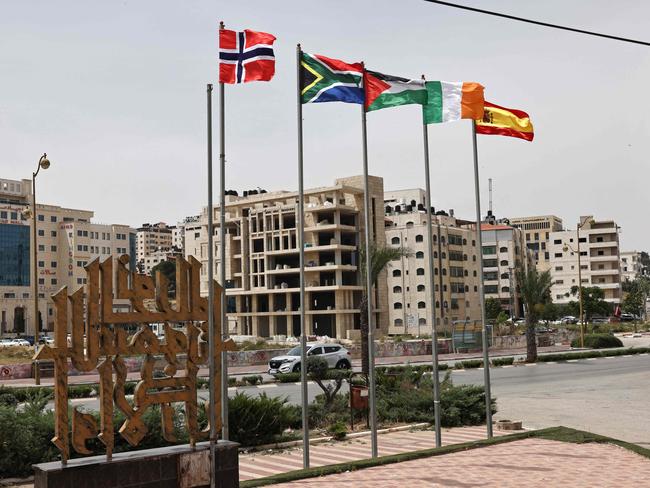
{"x":324,"y":79}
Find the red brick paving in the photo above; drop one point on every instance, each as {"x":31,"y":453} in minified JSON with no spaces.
{"x":525,"y":463}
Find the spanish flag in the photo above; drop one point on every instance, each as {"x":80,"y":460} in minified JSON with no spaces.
{"x":503,"y":121}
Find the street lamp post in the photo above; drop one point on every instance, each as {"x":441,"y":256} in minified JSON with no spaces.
{"x":582,"y":322}
{"x":44,"y":163}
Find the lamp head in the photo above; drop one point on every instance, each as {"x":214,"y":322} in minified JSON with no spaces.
{"x":27,"y":213}
{"x":565,"y":248}
{"x":44,"y":162}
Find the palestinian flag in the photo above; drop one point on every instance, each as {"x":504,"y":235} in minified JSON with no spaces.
{"x":384,"y":91}
{"x":450,"y":100}
{"x":503,"y":121}
{"x":324,"y":79}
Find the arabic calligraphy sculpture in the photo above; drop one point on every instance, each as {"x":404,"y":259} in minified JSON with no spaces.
{"x":98,"y":340}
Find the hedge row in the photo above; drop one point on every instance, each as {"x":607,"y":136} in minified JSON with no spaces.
{"x":592,"y":354}
{"x":598,"y":341}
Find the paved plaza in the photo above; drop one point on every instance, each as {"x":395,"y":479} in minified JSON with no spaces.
{"x":525,"y":463}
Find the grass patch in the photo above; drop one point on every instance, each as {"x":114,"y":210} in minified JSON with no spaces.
{"x":560,"y":434}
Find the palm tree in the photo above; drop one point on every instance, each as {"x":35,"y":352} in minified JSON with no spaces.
{"x":380,"y":257}
{"x":535,"y":289}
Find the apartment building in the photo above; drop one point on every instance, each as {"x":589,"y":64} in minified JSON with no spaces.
{"x":537,"y":231}
{"x":262,"y":259}
{"x":598,"y":246}
{"x":504,"y":254}
{"x":455,"y":267}
{"x":631,"y":266}
{"x":67,"y":241}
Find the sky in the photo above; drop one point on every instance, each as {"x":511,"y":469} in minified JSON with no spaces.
{"x":115,"y":93}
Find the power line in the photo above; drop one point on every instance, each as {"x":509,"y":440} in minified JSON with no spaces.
{"x":537,"y":22}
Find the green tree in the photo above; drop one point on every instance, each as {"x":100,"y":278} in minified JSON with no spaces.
{"x":593,"y":302}
{"x":550,"y":311}
{"x":634,"y":302}
{"x":492,"y":308}
{"x":535,"y":288}
{"x":318,"y":371}
{"x":380,"y":258}
{"x":168,"y":270}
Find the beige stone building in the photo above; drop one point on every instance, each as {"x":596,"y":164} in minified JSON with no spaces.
{"x":537,"y":231}
{"x":262,"y":259}
{"x":67,"y":241}
{"x":631,"y":266}
{"x":455,"y":267}
{"x":504,"y":255}
{"x":599,"y":260}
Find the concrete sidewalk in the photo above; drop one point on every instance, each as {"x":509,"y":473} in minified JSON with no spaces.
{"x":263,"y":368}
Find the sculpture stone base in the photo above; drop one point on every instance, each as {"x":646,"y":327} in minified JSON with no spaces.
{"x":165,"y":467}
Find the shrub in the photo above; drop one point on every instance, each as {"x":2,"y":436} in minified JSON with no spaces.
{"x":232,"y":381}
{"x":8,"y":400}
{"x":259,"y":419}
{"x":253,"y":380}
{"x":598,"y":341}
{"x":338,"y":431}
{"x":288,"y":377}
{"x":469,"y":364}
{"x":502,"y":361}
{"x":400,"y":400}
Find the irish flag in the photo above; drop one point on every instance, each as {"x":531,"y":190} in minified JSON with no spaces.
{"x":384,"y":91}
{"x":450,"y":100}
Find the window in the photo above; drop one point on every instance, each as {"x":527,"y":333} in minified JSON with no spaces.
{"x":559,"y":282}
{"x":53,"y":248}
{"x":397,"y":289}
{"x":395,"y":241}
{"x":505,"y":289}
{"x":419,"y":238}
{"x":420,"y":272}
{"x":398,"y":323}
{"x":41,"y":232}
{"x":52,"y":218}
{"x":41,"y":218}
{"x":489,"y":250}
{"x":53,"y":233}
{"x":559,"y":268}
{"x":455,"y":271}
{"x":397,"y":305}
{"x":53,"y":264}
{"x":397,"y":272}
{"x":457,"y":287}
{"x":536,"y":236}
{"x":53,"y":281}
{"x":330,"y":349}
{"x":558,"y":255}
{"x":41,"y":264}
{"x":420,"y":288}
{"x":491,"y":289}
{"x":419,"y":255}
{"x":455,"y":256}
{"x":422,"y":305}
{"x":455,"y":239}
{"x":504,"y":262}
{"x":503,"y":249}
{"x":490,"y":263}
{"x":41,"y":281}
{"x":505,"y":276}
{"x":444,"y":272}
{"x":41,"y":247}
{"x":557,"y":241}
{"x":79,"y":234}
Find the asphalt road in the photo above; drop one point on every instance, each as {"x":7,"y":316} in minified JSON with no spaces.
{"x":608,"y":396}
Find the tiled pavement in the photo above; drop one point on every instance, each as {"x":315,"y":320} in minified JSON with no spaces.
{"x":259,"y":465}
{"x":528,"y":463}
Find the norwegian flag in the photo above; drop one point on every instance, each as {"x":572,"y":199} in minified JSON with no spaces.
{"x":245,"y":56}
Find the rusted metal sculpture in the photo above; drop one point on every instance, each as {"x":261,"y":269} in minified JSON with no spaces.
{"x":98,"y":340}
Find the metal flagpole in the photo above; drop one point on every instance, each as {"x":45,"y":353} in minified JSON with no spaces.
{"x":211,"y":334}
{"x":371,"y":336}
{"x":301,"y":244}
{"x":222,"y":257}
{"x":479,"y":241}
{"x":434,"y":335}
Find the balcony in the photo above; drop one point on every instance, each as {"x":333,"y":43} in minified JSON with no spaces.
{"x":330,"y":228}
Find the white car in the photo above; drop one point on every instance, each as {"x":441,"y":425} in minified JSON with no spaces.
{"x":336,"y":356}
{"x":6,"y":342}
{"x":18,"y":342}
